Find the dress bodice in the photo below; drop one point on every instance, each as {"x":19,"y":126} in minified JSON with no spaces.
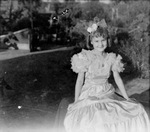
{"x":97,"y":70}
{"x":90,"y":62}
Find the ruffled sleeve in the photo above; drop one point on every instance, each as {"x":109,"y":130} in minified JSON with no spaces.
{"x":117,"y":64}
{"x":80,"y":62}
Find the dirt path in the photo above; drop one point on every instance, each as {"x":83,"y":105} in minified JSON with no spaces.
{"x":11,"y":54}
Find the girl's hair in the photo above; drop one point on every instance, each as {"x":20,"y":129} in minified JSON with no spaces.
{"x":100,"y":32}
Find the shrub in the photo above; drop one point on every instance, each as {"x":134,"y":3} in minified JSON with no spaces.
{"x":133,"y":39}
{"x":137,"y":47}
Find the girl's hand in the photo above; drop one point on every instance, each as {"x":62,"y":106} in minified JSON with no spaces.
{"x":127,"y":98}
{"x":131,"y":100}
{"x":70,"y":106}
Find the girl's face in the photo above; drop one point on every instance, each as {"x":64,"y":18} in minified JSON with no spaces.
{"x":99,"y":43}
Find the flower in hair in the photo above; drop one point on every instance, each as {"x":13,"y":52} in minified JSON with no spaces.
{"x":93,"y":27}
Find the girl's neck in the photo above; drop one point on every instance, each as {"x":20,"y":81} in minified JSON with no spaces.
{"x":102,"y":53}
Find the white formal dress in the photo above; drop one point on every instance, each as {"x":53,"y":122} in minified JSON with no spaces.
{"x":98,"y":108}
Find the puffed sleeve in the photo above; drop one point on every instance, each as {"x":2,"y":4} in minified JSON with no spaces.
{"x":117,"y":64}
{"x":80,"y":62}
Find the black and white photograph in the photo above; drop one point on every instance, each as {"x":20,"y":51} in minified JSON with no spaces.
{"x":74,"y":66}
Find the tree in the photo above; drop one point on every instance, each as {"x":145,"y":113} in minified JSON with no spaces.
{"x":93,"y":9}
{"x":30,"y":6}
{"x":69,"y":14}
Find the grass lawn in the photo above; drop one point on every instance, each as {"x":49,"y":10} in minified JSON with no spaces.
{"x":40,"y":82}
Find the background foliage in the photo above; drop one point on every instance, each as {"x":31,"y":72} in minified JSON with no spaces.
{"x":130,"y":37}
{"x":136,"y":45}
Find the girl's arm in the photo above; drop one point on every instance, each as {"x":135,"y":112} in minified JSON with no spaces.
{"x":120,"y":84}
{"x":78,"y":86}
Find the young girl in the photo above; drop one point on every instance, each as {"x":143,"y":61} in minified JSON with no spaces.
{"x":96,"y":107}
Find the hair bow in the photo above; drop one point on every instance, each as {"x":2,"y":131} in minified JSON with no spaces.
{"x":93,"y":27}
{"x":102,"y":23}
